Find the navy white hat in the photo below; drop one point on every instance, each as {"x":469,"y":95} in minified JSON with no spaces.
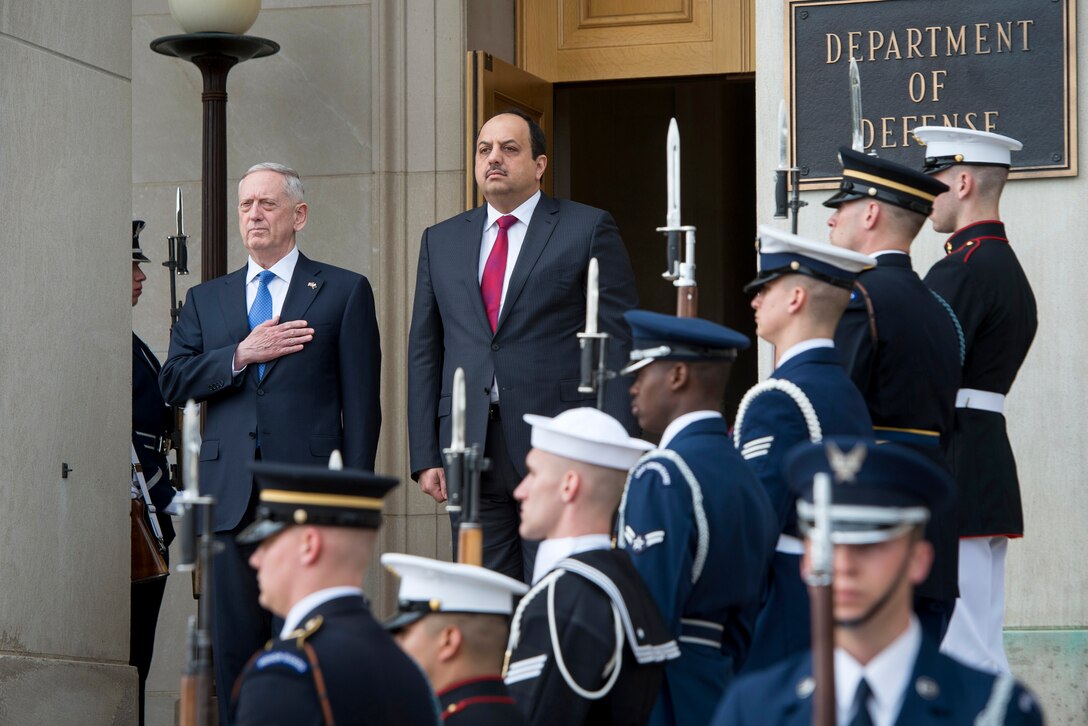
{"x":137,"y":253}
{"x":430,"y":586}
{"x":870,"y":177}
{"x":878,"y":492}
{"x":666,"y":337}
{"x":947,"y":146}
{"x":314,"y":495}
{"x":589,"y":435}
{"x":782,"y":253}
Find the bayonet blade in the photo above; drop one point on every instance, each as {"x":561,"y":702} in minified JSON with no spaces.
{"x":180,"y":214}
{"x":672,"y":149}
{"x":783,"y":136}
{"x":858,"y":142}
{"x":457,"y":438}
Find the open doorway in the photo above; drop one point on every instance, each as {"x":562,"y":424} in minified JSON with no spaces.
{"x":610,"y":153}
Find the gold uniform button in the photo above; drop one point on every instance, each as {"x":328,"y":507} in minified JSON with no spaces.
{"x":300,"y":516}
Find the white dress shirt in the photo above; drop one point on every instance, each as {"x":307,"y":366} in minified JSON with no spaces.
{"x":277,"y":287}
{"x":888,"y":675}
{"x":307,"y":604}
{"x":552,"y":551}
{"x":515,"y":236}
{"x":681,"y":422}
{"x":803,"y":347}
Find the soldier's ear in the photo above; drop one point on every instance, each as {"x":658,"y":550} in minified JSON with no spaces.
{"x":449,"y":643}
{"x":678,"y":375}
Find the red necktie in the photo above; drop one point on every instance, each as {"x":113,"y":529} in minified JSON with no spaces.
{"x":495,"y":271}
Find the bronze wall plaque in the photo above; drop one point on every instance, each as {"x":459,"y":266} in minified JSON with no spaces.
{"x":1007,"y":66}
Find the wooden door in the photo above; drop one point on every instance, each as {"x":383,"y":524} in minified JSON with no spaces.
{"x":591,"y":40}
{"x":492,"y":87}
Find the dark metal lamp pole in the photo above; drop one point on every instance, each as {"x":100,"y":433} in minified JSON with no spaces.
{"x":214,"y":54}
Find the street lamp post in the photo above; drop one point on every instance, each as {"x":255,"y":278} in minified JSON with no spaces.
{"x":214,"y":53}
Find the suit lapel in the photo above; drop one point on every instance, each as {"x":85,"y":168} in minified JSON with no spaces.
{"x":232,"y":302}
{"x":306,"y":283}
{"x":541,"y":226}
{"x":468,"y":260}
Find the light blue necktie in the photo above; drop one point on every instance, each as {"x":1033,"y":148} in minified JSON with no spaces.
{"x":261,"y":310}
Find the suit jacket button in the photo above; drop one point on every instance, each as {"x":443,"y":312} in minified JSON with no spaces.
{"x":252,"y":434}
{"x":495,"y":346}
{"x":260,"y":391}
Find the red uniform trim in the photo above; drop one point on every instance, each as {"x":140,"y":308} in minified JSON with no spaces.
{"x":462,"y":705}
{"x":458,"y":684}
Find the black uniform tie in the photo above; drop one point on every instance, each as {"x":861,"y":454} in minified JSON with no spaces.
{"x":860,"y":707}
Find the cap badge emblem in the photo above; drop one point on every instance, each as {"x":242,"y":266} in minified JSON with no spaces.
{"x":845,"y":466}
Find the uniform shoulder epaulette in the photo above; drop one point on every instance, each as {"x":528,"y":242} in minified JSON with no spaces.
{"x":299,"y":635}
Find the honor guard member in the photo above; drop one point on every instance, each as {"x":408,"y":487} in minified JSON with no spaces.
{"x":332,"y":662}
{"x":586,"y":642}
{"x":800,"y":294}
{"x":887,"y":671}
{"x":900,"y":343}
{"x":454,"y":620}
{"x":984,"y":283}
{"x":698,"y":524}
{"x":152,"y":424}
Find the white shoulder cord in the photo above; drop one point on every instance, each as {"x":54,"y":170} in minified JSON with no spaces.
{"x":701,"y":527}
{"x":548,"y":581}
{"x":812,"y":421}
{"x":617,"y":655}
{"x":996,"y":707}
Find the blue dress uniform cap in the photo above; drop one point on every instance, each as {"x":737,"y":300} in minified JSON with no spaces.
{"x":296,"y":494}
{"x":430,"y":586}
{"x":947,"y":146}
{"x":782,"y":253}
{"x":666,"y":337}
{"x":865,"y":177}
{"x":878,"y":491}
{"x":137,"y":253}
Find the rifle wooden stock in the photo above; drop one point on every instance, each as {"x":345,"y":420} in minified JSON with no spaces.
{"x":823,"y":655}
{"x":687,"y":301}
{"x":470,"y":544}
{"x":194,"y":707}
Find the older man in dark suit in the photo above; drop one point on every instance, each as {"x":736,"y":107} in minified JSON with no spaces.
{"x":501,"y":292}
{"x":291,"y":381}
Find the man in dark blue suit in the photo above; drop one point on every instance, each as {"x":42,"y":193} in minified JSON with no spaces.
{"x":152,"y":423}
{"x":887,"y":671}
{"x":900,"y":343}
{"x":331,"y":662}
{"x":290,"y":381}
{"x":800,"y":294}
{"x":697,"y":522}
{"x":501,"y":293}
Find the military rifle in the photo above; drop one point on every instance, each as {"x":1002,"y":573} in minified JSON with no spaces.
{"x":463,"y":468}
{"x":196,"y":681}
{"x":594,"y":365}
{"x":819,"y":580}
{"x":787,"y":187}
{"x":177,"y":262}
{"x":681,"y":270}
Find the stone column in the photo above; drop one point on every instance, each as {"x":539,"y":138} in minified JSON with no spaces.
{"x":65,"y":370}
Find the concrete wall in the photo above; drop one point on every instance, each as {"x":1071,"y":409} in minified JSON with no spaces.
{"x":365,"y":100}
{"x":64,"y":289}
{"x":1047,"y":585}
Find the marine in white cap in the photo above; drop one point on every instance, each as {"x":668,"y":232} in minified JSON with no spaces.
{"x":799,"y":295}
{"x":454,"y":619}
{"x":981,"y":278}
{"x":587,"y":642}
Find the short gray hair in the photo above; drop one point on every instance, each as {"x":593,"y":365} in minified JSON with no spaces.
{"x":292,"y":183}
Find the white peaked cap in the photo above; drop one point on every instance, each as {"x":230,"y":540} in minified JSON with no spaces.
{"x":947,"y":145}
{"x":589,"y":435}
{"x":452,"y":587}
{"x":775,"y":241}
